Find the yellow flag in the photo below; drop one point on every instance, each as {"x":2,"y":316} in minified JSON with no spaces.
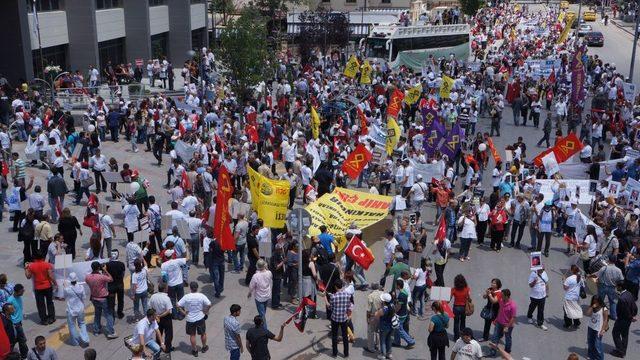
{"x":269,"y":198}
{"x":393,"y":134}
{"x":352,"y":67}
{"x":561,"y":16}
{"x":365,"y":73}
{"x":565,"y":31}
{"x":315,"y":123}
{"x":446,"y":86}
{"x":412,"y":95}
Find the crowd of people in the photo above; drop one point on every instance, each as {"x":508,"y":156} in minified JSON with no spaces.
{"x":274,"y":135}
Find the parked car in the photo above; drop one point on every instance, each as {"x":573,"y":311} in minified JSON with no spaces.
{"x":594,"y":38}
{"x":589,"y":15}
{"x":584,"y":29}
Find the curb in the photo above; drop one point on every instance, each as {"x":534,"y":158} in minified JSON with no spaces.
{"x":624,"y":28}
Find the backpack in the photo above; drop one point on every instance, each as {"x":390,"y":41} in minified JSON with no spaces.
{"x":26,"y":232}
{"x":323,"y":255}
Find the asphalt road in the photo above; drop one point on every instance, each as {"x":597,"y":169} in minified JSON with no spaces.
{"x":511,"y":266}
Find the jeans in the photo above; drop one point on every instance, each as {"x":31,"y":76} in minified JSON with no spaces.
{"x":154,"y":347}
{"x":82,"y":190}
{"x":498,"y":332}
{"x":518,"y":227}
{"x":140,"y":298}
{"x":44,"y":303}
{"x":459,"y":320}
{"x":620,"y":334}
{"x":546,"y":236}
{"x":418,"y":298}
{"x":401,"y":334}
{"x":334,"y":337}
{"x":594,"y":345}
{"x":74,"y":336}
{"x":533,"y":232}
{"x":451,"y":234}
{"x":610,"y":292}
{"x":261,"y":306}
{"x":465,"y":243}
{"x":385,"y":341}
{"x":238,"y":257}
{"x":114,"y":133}
{"x":276,"y":289}
{"x":102,"y":133}
{"x":24,"y":348}
{"x":175,"y":294}
{"x":54,"y":208}
{"x":100,"y":306}
{"x":537,"y":303}
{"x":234,"y":354}
{"x":216,"y":270}
{"x":194,"y":244}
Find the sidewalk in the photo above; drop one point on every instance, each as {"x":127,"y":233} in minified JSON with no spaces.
{"x":625,"y":26}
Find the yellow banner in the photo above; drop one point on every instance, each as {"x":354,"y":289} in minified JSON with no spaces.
{"x":315,"y":123}
{"x":342,"y":207}
{"x":561,"y":16}
{"x":565,"y":31}
{"x":269,"y":198}
{"x":412,"y":95}
{"x":393,"y":134}
{"x":352,"y":67}
{"x":365,"y":73}
{"x":446,"y":86}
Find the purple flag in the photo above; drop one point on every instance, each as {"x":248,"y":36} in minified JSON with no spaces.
{"x":578,"y":75}
{"x":434,"y":137}
{"x":451,"y":145}
{"x":429,"y":116}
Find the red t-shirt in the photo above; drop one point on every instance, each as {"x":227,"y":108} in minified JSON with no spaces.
{"x":460,"y":296}
{"x":40,"y":272}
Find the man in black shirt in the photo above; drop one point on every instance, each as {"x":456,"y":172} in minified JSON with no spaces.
{"x":626,"y":310}
{"x":277,"y":266}
{"x":158,"y":144}
{"x":252,"y":253}
{"x":116,"y":287}
{"x":216,"y":265}
{"x":328,"y":274}
{"x":258,"y":338}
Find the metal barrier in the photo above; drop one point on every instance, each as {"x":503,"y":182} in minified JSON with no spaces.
{"x":80,"y":98}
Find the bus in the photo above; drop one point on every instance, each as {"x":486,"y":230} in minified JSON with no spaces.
{"x":412,"y":45}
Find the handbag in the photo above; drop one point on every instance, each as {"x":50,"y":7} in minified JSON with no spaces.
{"x":487,"y":312}
{"x":583,"y":292}
{"x":469,"y":308}
{"x":87,"y":182}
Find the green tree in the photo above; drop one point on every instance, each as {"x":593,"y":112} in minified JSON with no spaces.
{"x":244,"y":53}
{"x":470,"y":7}
{"x":275,"y":11}
{"x":224,"y":7}
{"x":321,"y":29}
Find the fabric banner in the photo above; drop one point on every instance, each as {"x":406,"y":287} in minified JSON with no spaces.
{"x":184,"y":151}
{"x":581,"y":170}
{"x":445,"y":87}
{"x":342,"y":207}
{"x":434,"y":137}
{"x":494,"y":151}
{"x":564,"y":148}
{"x":429,"y":171}
{"x":578,"y":76}
{"x":364,"y":128}
{"x":412,"y":95}
{"x":393,"y":135}
{"x":452,"y":143}
{"x":576,"y":189}
{"x":222,"y":223}
{"x":429,"y":115}
{"x":270,"y":199}
{"x":313,"y":151}
{"x":356,"y":161}
{"x":550,"y":164}
{"x":365,"y":73}
{"x":315,"y":123}
{"x":582,"y":221}
{"x":378,"y":135}
{"x":351,"y":70}
{"x":395,"y":104}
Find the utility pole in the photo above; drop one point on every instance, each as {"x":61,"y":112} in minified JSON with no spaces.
{"x":636,"y":33}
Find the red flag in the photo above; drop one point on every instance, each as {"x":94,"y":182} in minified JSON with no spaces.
{"x":441,"y":233}
{"x":564,"y":148}
{"x":538,"y":159}
{"x":364,"y":129}
{"x":5,"y":346}
{"x":252,"y":117}
{"x":5,"y":169}
{"x":494,"y":151}
{"x":570,"y":240}
{"x":356,"y":161}
{"x":223,"y":146}
{"x":222,"y":221}
{"x":185,"y":183}
{"x":300,"y":315}
{"x":181,"y":128}
{"x":447,"y":308}
{"x":358,"y":252}
{"x":252,"y":133}
{"x":552,"y":76}
{"x":205,"y":216}
{"x":395,"y":103}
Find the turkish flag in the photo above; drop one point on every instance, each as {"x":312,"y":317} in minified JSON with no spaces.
{"x":185,"y":183}
{"x":5,"y":346}
{"x":364,"y":128}
{"x":356,"y":161}
{"x":441,"y":233}
{"x":252,"y":133}
{"x":447,"y":309}
{"x":395,"y":103}
{"x":222,"y":221}
{"x":358,"y":252}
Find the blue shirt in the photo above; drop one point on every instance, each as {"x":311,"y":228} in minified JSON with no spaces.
{"x":439,"y":322}
{"x":403,"y":239}
{"x":633,"y":271}
{"x":506,"y":188}
{"x":5,"y":293}
{"x":617,"y":174}
{"x":231,"y":330}
{"x":326,"y":240}
{"x":16,"y":318}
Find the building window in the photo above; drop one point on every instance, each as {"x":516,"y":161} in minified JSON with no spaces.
{"x":157,"y":2}
{"x":111,"y":50}
{"x":44,"y":5}
{"x":108,"y":4}
{"x":197,"y":1}
{"x":197,"y":38}
{"x":350,"y":1}
{"x":386,"y":1}
{"x":159,"y":48}
{"x":52,"y":56}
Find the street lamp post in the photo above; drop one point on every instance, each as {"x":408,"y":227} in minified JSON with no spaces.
{"x":636,"y":33}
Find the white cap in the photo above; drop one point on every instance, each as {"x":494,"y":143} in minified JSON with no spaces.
{"x":386,"y":297}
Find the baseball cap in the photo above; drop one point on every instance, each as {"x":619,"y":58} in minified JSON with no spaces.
{"x":386,"y":297}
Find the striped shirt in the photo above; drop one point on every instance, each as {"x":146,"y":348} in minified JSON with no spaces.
{"x":19,"y":169}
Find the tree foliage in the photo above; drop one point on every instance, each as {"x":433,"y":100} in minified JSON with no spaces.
{"x":244,"y":52}
{"x":275,"y":11}
{"x":322,"y":28}
{"x":224,"y":7}
{"x":470,"y":7}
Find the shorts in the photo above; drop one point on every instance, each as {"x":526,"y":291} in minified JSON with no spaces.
{"x":199,"y":326}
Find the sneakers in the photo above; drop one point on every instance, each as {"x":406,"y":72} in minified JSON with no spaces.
{"x":194,"y":353}
{"x":530,"y":320}
{"x":543,"y":327}
{"x":112,"y":336}
{"x":204,"y":349}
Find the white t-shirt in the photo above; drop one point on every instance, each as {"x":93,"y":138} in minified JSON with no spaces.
{"x":194,"y":304}
{"x":140,"y":280}
{"x":573,"y":293}
{"x":418,"y":189}
{"x":146,"y":329}
{"x":589,"y":240}
{"x":390,"y":249}
{"x":409,"y":174}
{"x":464,"y":351}
{"x":539,"y":290}
{"x":306,"y":175}
{"x":597,"y":320}
{"x":421,"y":277}
{"x":105,"y":225}
{"x":131,"y":213}
{"x":173,"y":270}
{"x":483,"y":212}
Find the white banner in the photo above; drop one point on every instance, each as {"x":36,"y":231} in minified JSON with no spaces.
{"x":629,"y":91}
{"x":576,"y":189}
{"x":429,"y":171}
{"x":582,"y":221}
{"x":184,"y":150}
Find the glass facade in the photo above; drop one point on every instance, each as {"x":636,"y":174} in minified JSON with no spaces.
{"x":54,"y":56}
{"x":112,"y":50}
{"x":108,"y":4}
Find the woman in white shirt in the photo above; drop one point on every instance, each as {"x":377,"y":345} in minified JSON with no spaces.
{"x":468,"y":233}
{"x":571,"y":307}
{"x":420,"y":275}
{"x":84,"y":177}
{"x":588,"y":247}
{"x":598,"y":325}
{"x":482,"y":215}
{"x":131,"y":222}
{"x":139,"y":288}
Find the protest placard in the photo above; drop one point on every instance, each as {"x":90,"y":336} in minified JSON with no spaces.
{"x":440,"y":293}
{"x":112,"y":177}
{"x":264,"y":249}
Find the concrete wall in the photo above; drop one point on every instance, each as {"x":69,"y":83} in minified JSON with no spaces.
{"x":179,"y":30}
{"x":53,"y":29}
{"x":83,"y":38}
{"x":158,"y":19}
{"x":136,"y":21}
{"x":198,"y":16}
{"x":110,"y":24}
{"x":14,"y":28}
